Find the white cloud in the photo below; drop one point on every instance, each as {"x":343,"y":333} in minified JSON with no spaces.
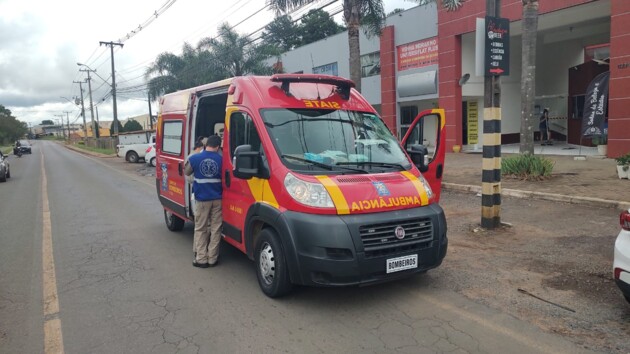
{"x":41,"y":42}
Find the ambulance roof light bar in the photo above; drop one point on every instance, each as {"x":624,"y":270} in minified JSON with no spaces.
{"x":343,"y":85}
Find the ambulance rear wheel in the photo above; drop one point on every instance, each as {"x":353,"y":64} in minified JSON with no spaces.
{"x":173,"y":222}
{"x":271,"y":265}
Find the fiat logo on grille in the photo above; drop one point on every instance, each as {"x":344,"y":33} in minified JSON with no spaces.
{"x":399,"y":232}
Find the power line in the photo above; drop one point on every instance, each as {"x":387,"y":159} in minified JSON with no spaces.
{"x":146,"y":23}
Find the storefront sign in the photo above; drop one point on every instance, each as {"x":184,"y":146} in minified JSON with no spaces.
{"x":595,"y":104}
{"x":472,"y":123}
{"x":497,"y":56}
{"x":328,"y":69}
{"x":417,"y":54}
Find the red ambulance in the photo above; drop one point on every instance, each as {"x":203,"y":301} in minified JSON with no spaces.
{"x":316,"y":189}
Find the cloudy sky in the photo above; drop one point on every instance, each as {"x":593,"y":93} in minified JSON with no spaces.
{"x":41,"y":42}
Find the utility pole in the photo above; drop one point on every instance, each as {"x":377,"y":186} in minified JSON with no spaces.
{"x":82,"y":110}
{"x":67,"y":121}
{"x":491,"y":174}
{"x":62,"y":130}
{"x":111,"y":47}
{"x":89,"y":81}
{"x":150,"y":114}
{"x":98,"y":124}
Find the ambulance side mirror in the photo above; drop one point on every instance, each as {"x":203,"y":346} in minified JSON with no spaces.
{"x":419,"y":156}
{"x":245,"y":162}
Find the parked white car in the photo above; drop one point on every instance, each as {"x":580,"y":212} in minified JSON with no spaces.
{"x":621,"y":264}
{"x":134,"y":152}
{"x":149,"y":157}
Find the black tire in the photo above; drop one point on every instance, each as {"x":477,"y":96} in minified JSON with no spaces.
{"x":132,"y":157}
{"x":3,"y":178}
{"x":8,"y":173}
{"x":173,"y":222}
{"x":152,"y":162}
{"x":271,"y":266}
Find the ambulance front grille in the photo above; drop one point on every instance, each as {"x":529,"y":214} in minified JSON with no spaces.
{"x":380,"y":239}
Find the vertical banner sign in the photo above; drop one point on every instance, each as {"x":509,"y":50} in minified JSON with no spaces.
{"x":473,"y":123}
{"x":595,"y":103}
{"x":497,"y":56}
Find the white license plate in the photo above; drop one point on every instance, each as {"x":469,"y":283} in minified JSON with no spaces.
{"x":401,"y":263}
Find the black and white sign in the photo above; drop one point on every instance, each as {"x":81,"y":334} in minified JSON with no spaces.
{"x":497,"y":55}
{"x":595,"y":104}
{"x":401,"y":263}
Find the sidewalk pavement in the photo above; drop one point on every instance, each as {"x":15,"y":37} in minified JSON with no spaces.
{"x":592,"y":181}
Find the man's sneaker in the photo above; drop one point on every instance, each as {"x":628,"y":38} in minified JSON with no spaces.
{"x":213,"y":264}
{"x":200,"y":265}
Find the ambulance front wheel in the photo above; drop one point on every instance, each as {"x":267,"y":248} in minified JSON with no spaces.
{"x":173,"y":222}
{"x":271,"y":265}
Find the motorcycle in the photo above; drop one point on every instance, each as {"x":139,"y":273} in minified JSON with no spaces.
{"x":17,"y":152}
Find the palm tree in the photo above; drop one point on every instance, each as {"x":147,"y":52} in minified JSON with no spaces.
{"x":165,"y":71}
{"x":236,"y":55}
{"x":356,"y":13}
{"x":528,"y":76}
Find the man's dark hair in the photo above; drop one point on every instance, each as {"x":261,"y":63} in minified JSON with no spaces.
{"x":199,"y":142}
{"x":213,"y":141}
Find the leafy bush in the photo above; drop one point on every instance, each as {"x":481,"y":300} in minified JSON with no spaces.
{"x":624,"y":160}
{"x":528,"y":167}
{"x":600,"y":139}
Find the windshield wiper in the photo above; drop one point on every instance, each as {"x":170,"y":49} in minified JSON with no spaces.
{"x":322,"y":165}
{"x":374,"y":163}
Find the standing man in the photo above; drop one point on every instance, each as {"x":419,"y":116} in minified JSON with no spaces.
{"x":205,"y":166}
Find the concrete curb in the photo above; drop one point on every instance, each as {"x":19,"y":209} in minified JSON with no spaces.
{"x":542,"y":196}
{"x":87,"y":152}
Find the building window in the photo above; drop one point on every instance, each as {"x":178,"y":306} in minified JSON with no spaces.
{"x":371,"y":64}
{"x":328,"y":69}
{"x":172,"y":138}
{"x":599,"y":52}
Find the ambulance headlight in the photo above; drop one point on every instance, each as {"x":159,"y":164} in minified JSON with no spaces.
{"x":426,"y":186}
{"x":307,"y":193}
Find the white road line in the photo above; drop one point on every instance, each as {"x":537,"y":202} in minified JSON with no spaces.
{"x":53,"y":338}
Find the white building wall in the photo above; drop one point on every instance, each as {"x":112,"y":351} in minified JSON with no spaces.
{"x":412,"y":25}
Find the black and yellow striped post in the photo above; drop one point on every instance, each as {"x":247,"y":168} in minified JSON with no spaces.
{"x":491,"y":165}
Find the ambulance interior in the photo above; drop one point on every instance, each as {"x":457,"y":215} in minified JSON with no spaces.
{"x":210,"y":117}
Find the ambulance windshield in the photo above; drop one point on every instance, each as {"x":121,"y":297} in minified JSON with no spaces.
{"x":335,"y":140}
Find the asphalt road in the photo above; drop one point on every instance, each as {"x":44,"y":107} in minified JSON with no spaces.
{"x":125,"y":284}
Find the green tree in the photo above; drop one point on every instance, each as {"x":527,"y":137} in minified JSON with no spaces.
{"x":170,"y":72}
{"x":282,"y":33}
{"x":236,"y":55}
{"x":132,"y":126}
{"x":11,"y":129}
{"x":48,"y":122}
{"x":317,"y":24}
{"x":395,"y":11}
{"x":356,"y":13}
{"x":111,"y":128}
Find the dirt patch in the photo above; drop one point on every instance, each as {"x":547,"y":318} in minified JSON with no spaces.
{"x":558,"y":255}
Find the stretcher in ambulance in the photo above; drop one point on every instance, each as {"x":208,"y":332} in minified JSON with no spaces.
{"x":316,"y":188}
